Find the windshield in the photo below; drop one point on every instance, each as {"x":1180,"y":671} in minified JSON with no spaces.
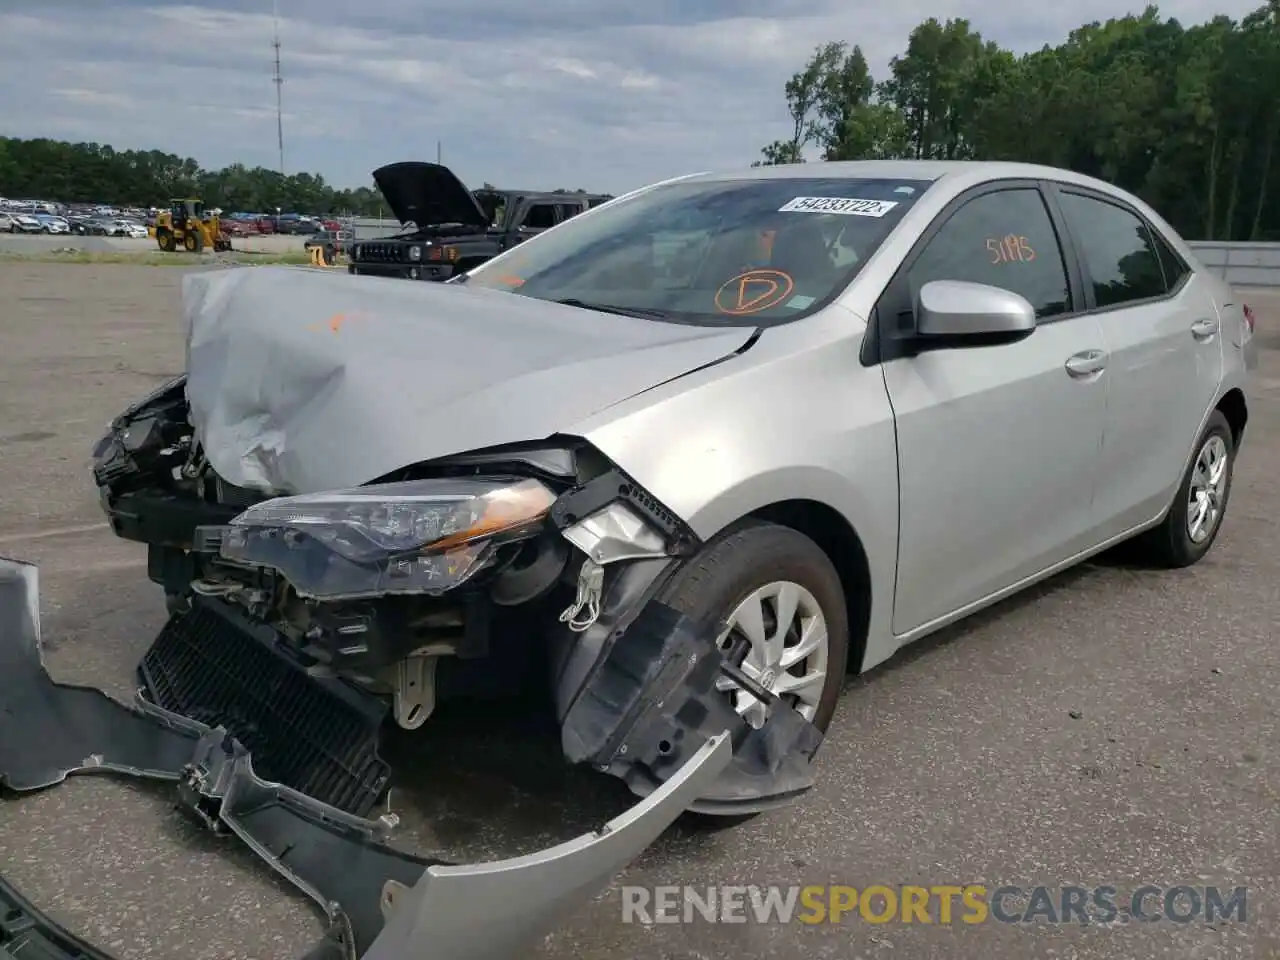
{"x":711,"y":252}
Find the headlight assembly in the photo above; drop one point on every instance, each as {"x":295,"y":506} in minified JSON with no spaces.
{"x":421,"y":536}
{"x":415,"y":253}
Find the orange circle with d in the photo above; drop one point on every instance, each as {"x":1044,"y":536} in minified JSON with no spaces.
{"x":754,"y":291}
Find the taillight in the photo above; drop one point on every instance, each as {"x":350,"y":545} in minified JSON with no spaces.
{"x":1249,"y":319}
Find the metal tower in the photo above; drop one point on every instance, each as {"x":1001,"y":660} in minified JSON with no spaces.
{"x":278,"y":80}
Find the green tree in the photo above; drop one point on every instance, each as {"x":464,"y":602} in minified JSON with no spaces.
{"x":95,"y":173}
{"x":1188,"y":118}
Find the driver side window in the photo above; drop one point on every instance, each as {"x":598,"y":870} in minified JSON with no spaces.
{"x":1003,"y":239}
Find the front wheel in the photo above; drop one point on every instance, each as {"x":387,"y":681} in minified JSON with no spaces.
{"x":776,"y":589}
{"x":1193,"y":521}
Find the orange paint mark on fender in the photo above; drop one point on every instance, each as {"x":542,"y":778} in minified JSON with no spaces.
{"x":336,"y":322}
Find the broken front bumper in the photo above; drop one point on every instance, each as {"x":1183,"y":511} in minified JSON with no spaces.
{"x":379,"y":903}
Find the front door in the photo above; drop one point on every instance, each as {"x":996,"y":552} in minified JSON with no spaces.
{"x":997,"y":445}
{"x":1165,"y":361}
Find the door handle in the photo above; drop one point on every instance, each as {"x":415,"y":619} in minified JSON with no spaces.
{"x":1204,"y":329}
{"x":1086,"y":363}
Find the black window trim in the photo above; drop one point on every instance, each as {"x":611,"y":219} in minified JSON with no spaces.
{"x":1057,"y":187}
{"x":879,"y":347}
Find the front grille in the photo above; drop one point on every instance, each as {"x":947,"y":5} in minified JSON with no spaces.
{"x":383,"y":252}
{"x":318,"y":737}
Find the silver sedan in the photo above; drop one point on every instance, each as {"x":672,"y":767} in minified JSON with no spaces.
{"x":954,"y":380}
{"x":829,"y":408}
{"x":686,"y":458}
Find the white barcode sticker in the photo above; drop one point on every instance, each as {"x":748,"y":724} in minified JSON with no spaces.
{"x":849,"y":206}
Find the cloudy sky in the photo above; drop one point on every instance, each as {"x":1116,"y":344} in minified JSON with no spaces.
{"x":532,"y":94}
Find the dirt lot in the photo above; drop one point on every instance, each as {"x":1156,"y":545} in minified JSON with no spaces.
{"x":37,"y":243}
{"x":1115,"y":727}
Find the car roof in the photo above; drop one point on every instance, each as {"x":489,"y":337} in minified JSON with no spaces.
{"x":975,"y":171}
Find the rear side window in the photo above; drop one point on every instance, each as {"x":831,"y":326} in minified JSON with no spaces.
{"x":1004,"y":239}
{"x":541,"y":216}
{"x":1123,"y":263}
{"x":568,"y":210}
{"x":1170,"y":263}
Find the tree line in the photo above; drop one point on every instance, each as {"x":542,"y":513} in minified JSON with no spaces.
{"x":1188,"y":118}
{"x":97,"y":173}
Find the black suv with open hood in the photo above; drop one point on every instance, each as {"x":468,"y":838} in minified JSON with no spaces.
{"x":451,"y":228}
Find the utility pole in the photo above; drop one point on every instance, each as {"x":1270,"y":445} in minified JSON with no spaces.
{"x":437,"y":151}
{"x":279,"y":82}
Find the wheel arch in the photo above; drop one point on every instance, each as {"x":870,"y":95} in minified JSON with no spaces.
{"x":837,"y":538}
{"x":1234,"y":407}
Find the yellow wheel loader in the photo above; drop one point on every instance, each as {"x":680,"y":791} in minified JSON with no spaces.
{"x":188,"y":225}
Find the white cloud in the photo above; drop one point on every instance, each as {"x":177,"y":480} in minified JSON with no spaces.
{"x":96,"y":98}
{"x":599,"y":94}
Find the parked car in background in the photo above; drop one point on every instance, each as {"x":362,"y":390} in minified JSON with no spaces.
{"x":131,"y":229}
{"x":296,"y":225}
{"x":6,"y":222}
{"x":100,"y":227}
{"x":49,"y":223}
{"x":332,"y":243}
{"x":26,"y":223}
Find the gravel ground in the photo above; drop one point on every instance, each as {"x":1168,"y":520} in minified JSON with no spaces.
{"x":35,"y":244}
{"x":1114,"y":726}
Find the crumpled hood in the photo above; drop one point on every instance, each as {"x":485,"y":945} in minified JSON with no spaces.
{"x":427,"y":193}
{"x":302,"y":380}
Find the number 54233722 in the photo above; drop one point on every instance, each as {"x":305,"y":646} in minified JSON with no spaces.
{"x":1010,"y":249}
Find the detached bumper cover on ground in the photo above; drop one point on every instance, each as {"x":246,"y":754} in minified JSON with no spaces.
{"x":380,"y":903}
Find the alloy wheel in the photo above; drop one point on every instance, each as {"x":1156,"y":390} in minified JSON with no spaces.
{"x":1207,"y":493}
{"x":788,"y":649}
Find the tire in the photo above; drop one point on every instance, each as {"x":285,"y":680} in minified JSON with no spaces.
{"x":193,"y":241}
{"x":165,"y":240}
{"x":1172,"y":544}
{"x":747,"y":558}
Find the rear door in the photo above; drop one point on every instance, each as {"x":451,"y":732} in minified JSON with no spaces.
{"x":1164,"y":345}
{"x":998,"y":444}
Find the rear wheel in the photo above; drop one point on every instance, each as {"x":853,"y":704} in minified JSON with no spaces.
{"x":165,"y":240}
{"x":1192,"y":523}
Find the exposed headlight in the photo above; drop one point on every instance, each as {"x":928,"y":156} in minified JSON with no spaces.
{"x":422,"y":536}
{"x":415,"y":253}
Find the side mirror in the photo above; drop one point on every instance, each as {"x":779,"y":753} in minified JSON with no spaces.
{"x":958,"y":308}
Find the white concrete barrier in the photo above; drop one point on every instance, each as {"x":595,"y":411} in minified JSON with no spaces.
{"x":1241,"y":264}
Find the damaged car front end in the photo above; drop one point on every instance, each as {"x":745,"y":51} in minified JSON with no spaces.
{"x":338,"y":559}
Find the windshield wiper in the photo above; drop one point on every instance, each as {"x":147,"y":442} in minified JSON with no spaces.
{"x":640,"y":313}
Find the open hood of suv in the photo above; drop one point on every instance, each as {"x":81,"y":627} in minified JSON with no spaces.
{"x":427,"y":193}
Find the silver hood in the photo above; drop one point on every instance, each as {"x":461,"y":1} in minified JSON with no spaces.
{"x":302,"y":380}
